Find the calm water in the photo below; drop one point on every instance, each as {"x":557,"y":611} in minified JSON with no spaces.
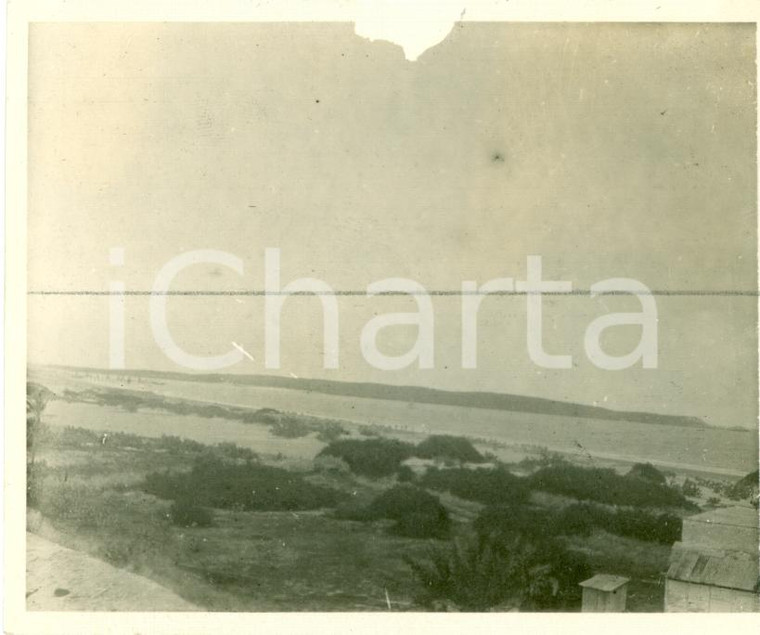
{"x":733,"y":452}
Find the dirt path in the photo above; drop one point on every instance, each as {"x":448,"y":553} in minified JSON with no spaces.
{"x":59,"y":579}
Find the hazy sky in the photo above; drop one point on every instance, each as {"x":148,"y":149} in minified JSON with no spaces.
{"x":609,"y":150}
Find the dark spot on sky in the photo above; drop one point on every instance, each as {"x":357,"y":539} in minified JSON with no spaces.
{"x":664,"y":111}
{"x":497,"y":157}
{"x":316,"y":101}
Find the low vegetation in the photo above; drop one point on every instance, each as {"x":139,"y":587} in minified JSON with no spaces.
{"x":582,"y":518}
{"x":186,"y":513}
{"x":379,"y":457}
{"x":374,"y":457}
{"x":281,"y":424}
{"x":72,"y":437}
{"x":520,"y":552}
{"x":494,"y":571}
{"x":417,"y":513}
{"x":447,"y":447}
{"x":647,"y":472}
{"x":214,"y":483}
{"x":746,"y":488}
{"x":490,"y":486}
{"x":290,"y":428}
{"x":606,"y":486}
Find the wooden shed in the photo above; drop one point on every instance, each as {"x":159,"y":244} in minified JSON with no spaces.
{"x":604,"y":593}
{"x":715,"y":566}
{"x":712,"y":580}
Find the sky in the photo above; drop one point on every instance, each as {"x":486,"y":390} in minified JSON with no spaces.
{"x":610,"y":150}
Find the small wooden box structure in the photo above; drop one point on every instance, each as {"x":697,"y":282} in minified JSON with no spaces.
{"x":604,"y":593}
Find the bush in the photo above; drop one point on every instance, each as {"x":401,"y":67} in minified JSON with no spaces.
{"x":506,"y":522}
{"x":576,"y":520}
{"x":481,"y":573}
{"x":370,"y":457}
{"x":185,"y":513}
{"x":555,"y":583}
{"x":417,"y":513}
{"x":418,"y":525}
{"x":473,"y":575}
{"x":662,"y":528}
{"x":405,"y":474}
{"x":647,"y":472}
{"x":746,"y":487}
{"x":633,"y":523}
{"x":543,"y":458}
{"x":605,"y":486}
{"x":250,"y":486}
{"x":331,"y":464}
{"x":443,"y":446}
{"x":489,"y":486}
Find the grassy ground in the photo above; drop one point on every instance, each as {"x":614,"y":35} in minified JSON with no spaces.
{"x":91,"y":500}
{"x":645,"y":563}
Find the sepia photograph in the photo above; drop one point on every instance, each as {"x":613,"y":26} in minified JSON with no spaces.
{"x":318,"y":321}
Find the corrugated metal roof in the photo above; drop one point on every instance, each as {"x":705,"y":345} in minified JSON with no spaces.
{"x":605,"y":582}
{"x":728,"y":569}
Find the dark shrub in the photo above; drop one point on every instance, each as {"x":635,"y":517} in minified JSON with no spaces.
{"x":486,"y":572}
{"x":331,"y":464}
{"x":401,"y":500}
{"x":417,"y":513}
{"x":250,"y":486}
{"x":580,"y":519}
{"x":490,"y":486}
{"x":185,"y":513}
{"x":405,"y":474}
{"x":633,"y":523}
{"x":647,"y":472}
{"x":605,"y":486}
{"x":576,"y":520}
{"x":370,"y":457}
{"x":508,"y":521}
{"x":419,"y":525}
{"x":472,"y":575}
{"x":746,"y":487}
{"x":557,"y":589}
{"x":444,"y":446}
